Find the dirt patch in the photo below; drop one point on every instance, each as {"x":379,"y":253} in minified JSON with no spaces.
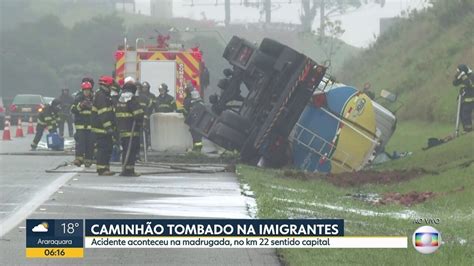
{"x":413,"y":197}
{"x":360,"y":178}
{"x":407,"y":199}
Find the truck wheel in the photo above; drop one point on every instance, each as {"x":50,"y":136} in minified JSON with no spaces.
{"x":227,"y":137}
{"x":234,"y":120}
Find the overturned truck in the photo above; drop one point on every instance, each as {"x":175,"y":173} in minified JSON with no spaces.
{"x":261,"y":99}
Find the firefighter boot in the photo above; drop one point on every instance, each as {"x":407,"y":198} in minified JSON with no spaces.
{"x":129,"y":173}
{"x":106,"y":173}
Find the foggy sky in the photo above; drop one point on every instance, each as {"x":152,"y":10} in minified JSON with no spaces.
{"x":360,"y":25}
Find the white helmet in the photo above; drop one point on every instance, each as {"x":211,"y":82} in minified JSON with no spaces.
{"x":129,"y":79}
{"x":195,"y":95}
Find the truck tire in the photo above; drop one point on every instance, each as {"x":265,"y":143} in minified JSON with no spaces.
{"x":226,"y":137}
{"x":235,"y":121}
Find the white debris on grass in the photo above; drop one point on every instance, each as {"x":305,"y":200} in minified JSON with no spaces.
{"x":288,"y":189}
{"x":246,"y":190}
{"x":407,"y":214}
{"x":250,"y":202}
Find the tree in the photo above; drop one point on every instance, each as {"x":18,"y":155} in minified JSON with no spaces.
{"x":326,"y":9}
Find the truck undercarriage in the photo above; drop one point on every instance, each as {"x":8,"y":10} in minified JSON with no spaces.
{"x":277,"y":81}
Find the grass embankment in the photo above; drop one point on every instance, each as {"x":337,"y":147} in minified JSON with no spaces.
{"x":417,"y":59}
{"x":451,"y":177}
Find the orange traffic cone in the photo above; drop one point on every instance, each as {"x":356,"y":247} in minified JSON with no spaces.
{"x":19,"y":129}
{"x":6,"y":131}
{"x":31,"y":129}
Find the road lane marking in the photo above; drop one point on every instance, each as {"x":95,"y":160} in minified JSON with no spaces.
{"x":39,"y":198}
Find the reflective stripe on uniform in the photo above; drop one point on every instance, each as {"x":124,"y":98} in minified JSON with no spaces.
{"x":99,"y":130}
{"x":164,"y":105}
{"x":139,"y":111}
{"x":468,"y":100}
{"x":129,"y":134}
{"x":197,"y":144}
{"x":82,"y":126}
{"x":107,"y":124}
{"x":123,"y":115}
{"x":103,"y":110}
{"x":101,"y":167}
{"x":47,"y":118}
{"x":86,"y":112}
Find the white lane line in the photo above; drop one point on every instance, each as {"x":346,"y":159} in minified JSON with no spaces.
{"x":39,"y":198}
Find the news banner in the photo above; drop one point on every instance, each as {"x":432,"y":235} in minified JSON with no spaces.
{"x":68,"y":238}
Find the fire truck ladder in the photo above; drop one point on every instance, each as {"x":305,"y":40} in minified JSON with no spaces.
{"x":313,"y":137}
{"x":131,"y":61}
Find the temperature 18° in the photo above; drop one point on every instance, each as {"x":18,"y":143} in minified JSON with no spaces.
{"x":69,"y":228}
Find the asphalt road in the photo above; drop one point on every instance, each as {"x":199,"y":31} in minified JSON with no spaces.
{"x":26,"y":191}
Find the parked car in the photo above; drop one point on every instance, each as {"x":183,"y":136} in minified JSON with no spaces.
{"x":25,"y":106}
{"x":2,"y":114}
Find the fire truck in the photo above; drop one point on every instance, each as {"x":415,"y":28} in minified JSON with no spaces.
{"x":160,"y":63}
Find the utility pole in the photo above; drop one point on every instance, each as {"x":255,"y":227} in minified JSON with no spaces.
{"x":322,"y":19}
{"x":227,"y":13}
{"x":267,"y":6}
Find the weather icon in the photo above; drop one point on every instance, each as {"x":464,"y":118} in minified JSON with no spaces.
{"x":40,"y":228}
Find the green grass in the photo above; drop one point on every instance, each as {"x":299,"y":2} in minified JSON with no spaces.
{"x":281,"y":197}
{"x":417,"y":59}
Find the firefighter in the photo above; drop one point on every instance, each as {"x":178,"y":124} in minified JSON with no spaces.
{"x":146,"y":92}
{"x":65,"y":114}
{"x":129,"y":115}
{"x":82,"y":110}
{"x":165,"y":103}
{"x":205,"y":77}
{"x":192,"y":98}
{"x":147,"y":103}
{"x":103,"y":125}
{"x":115,"y":92}
{"x":187,"y":98}
{"x":367,"y":90}
{"x":465,"y":78}
{"x":90,"y":80}
{"x":48,"y":117}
